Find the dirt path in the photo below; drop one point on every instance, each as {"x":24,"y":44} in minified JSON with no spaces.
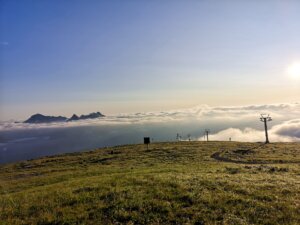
{"x":219,"y":157}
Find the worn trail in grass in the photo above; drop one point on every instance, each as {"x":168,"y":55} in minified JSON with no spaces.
{"x":171,"y":183}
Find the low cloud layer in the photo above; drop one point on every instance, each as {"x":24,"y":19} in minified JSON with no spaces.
{"x":241,"y":123}
{"x":285,"y":132}
{"x":288,"y":129}
{"x":280,"y":113}
{"x":20,"y":141}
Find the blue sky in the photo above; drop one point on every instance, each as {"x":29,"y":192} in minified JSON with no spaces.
{"x":60,"y":57}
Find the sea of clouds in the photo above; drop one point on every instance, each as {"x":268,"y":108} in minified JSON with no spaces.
{"x":240,"y":123}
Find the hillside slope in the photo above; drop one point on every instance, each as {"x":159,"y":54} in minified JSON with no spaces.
{"x":171,"y":183}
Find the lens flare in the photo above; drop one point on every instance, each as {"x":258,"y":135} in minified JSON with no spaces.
{"x":294,"y":70}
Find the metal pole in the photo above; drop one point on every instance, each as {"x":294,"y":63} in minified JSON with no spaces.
{"x":206,"y":134}
{"x":266,"y":131}
{"x":266,"y":118}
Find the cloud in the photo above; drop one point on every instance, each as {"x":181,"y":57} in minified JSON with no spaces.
{"x":250,"y":111}
{"x":285,"y":132}
{"x":20,"y":141}
{"x":243,"y":120}
{"x":288,"y":129}
{"x":247,"y":134}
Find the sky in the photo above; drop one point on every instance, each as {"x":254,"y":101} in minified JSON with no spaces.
{"x":65,"y":57}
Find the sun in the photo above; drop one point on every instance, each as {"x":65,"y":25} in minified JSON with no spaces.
{"x":294,"y":70}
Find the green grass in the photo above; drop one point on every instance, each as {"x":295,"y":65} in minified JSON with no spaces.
{"x":171,"y":183}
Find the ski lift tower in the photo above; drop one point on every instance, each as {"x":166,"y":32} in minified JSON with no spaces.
{"x":265,"y":119}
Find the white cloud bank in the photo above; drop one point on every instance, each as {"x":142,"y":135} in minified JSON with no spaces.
{"x":243,"y":120}
{"x":285,"y":132}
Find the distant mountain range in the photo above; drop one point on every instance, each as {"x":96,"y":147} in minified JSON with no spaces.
{"x":39,"y":118}
{"x":84,"y":117}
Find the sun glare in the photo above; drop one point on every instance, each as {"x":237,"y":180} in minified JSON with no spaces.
{"x":294,"y":70}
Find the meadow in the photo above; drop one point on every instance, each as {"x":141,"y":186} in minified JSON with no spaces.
{"x":170,"y":183}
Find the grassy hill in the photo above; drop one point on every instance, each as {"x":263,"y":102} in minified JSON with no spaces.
{"x":171,"y":183}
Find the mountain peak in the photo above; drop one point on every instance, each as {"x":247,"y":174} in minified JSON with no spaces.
{"x":39,"y":118}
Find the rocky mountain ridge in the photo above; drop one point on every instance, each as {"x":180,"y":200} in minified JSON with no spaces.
{"x":39,"y":118}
